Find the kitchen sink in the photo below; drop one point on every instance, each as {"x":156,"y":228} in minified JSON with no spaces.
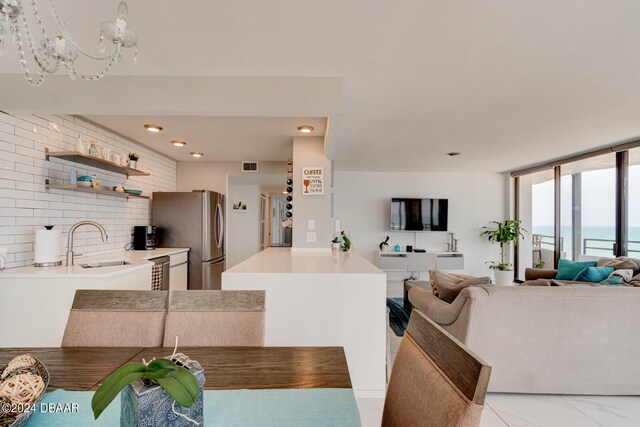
{"x":98,"y":264}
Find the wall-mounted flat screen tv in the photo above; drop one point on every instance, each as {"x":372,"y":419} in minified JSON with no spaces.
{"x":419,"y":214}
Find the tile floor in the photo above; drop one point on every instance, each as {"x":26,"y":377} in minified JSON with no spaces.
{"x":524,"y":410}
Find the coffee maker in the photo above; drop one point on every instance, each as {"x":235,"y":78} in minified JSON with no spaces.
{"x":144,"y":237}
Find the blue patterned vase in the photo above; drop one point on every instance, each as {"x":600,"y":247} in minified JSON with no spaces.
{"x":151,"y":406}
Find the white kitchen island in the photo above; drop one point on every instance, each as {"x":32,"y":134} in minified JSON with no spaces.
{"x":35,"y":301}
{"x":322,"y":298}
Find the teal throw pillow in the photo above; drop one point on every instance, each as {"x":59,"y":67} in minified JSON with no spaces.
{"x":568,"y":269}
{"x":613,"y":280}
{"x":593,"y":274}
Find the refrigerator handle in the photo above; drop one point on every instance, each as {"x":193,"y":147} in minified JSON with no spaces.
{"x":219,"y":225}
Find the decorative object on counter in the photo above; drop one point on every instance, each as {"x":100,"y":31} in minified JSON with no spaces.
{"x":118,"y":189}
{"x":23,"y":381}
{"x":59,"y":49}
{"x":452,"y":244}
{"x":134,"y":192}
{"x":409,"y":248}
{"x":335,"y":244}
{"x":346,"y":241}
{"x":396,"y":248}
{"x":503,"y":233}
{"x":133,"y":160}
{"x":93,"y":151}
{"x":48,"y":247}
{"x":162,"y":392}
{"x":384,"y":245}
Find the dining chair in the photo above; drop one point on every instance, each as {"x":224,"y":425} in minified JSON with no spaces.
{"x":435,"y":380}
{"x":122,"y":318}
{"x":207,"y":318}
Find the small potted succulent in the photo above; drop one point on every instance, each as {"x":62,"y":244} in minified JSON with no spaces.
{"x":503,"y":233}
{"x":133,"y":160}
{"x":155,"y":393}
{"x":384,"y":245}
{"x":335,"y":244}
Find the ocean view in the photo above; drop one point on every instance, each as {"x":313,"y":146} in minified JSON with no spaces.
{"x":591,"y":232}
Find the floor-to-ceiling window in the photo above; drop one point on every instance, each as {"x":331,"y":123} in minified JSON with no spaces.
{"x":588,"y":208}
{"x":633,"y":191}
{"x":583,"y":207}
{"x":542,"y":223}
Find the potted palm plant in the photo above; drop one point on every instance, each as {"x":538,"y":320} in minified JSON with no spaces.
{"x":503,"y":233}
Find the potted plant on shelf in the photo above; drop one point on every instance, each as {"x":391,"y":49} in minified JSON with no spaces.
{"x":503,"y":233}
{"x":384,"y":245}
{"x":133,"y":160}
{"x":155,"y":393}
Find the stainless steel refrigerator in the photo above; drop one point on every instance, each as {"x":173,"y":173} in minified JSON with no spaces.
{"x":194,"y":220}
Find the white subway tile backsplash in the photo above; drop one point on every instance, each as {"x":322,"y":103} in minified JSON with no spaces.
{"x":25,"y":205}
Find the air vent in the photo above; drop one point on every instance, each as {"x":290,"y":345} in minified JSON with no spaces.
{"x":249,"y":166}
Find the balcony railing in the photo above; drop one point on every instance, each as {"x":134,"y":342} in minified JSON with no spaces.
{"x":593,"y":246}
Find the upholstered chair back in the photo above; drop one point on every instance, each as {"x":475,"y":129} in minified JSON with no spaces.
{"x":105,"y":318}
{"x":435,"y":381}
{"x":205,"y":318}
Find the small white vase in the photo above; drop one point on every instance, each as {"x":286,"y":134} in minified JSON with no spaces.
{"x":133,"y":164}
{"x":335,"y":247}
{"x":503,"y":278}
{"x":384,"y":248}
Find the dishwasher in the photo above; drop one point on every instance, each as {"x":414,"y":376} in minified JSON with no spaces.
{"x":162,"y":265}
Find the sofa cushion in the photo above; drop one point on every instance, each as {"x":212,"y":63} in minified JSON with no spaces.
{"x":620,"y":263}
{"x":568,"y":269}
{"x":447,"y":286}
{"x":593,"y":274}
{"x":613,"y":280}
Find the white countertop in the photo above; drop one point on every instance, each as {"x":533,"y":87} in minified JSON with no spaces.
{"x":138,"y":259}
{"x":284,"y":260}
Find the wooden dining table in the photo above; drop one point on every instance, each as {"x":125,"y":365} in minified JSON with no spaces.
{"x":244,"y":386}
{"x":225,"y":368}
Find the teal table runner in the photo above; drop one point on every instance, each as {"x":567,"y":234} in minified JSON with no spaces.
{"x":260,"y":408}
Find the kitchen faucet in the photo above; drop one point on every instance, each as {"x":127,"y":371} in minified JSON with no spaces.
{"x":103,"y":232}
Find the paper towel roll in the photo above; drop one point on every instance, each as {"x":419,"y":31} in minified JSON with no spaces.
{"x":48,"y":248}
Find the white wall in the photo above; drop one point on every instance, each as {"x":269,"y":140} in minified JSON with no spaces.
{"x":362,"y":203}
{"x":243,"y":231}
{"x":25,"y":204}
{"x":212,"y":176}
{"x":308,"y":152}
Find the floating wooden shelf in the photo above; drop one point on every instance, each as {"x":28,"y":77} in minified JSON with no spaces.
{"x":96,"y":162}
{"x":75,"y":187}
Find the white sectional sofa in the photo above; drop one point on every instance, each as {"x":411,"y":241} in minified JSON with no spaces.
{"x":561,"y":340}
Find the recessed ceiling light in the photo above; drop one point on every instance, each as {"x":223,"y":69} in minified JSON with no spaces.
{"x":454,"y":153}
{"x":153,"y":128}
{"x":178,"y":143}
{"x":305,"y":129}
{"x":196,"y":154}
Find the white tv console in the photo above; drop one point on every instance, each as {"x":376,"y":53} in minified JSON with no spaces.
{"x":419,"y":261}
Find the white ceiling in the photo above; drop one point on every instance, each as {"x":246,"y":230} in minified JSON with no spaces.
{"x":219,"y":138}
{"x":508,"y":83}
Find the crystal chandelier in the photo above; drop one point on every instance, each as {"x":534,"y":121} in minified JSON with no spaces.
{"x":61,"y":49}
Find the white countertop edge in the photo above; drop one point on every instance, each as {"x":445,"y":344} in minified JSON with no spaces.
{"x":139,"y":260}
